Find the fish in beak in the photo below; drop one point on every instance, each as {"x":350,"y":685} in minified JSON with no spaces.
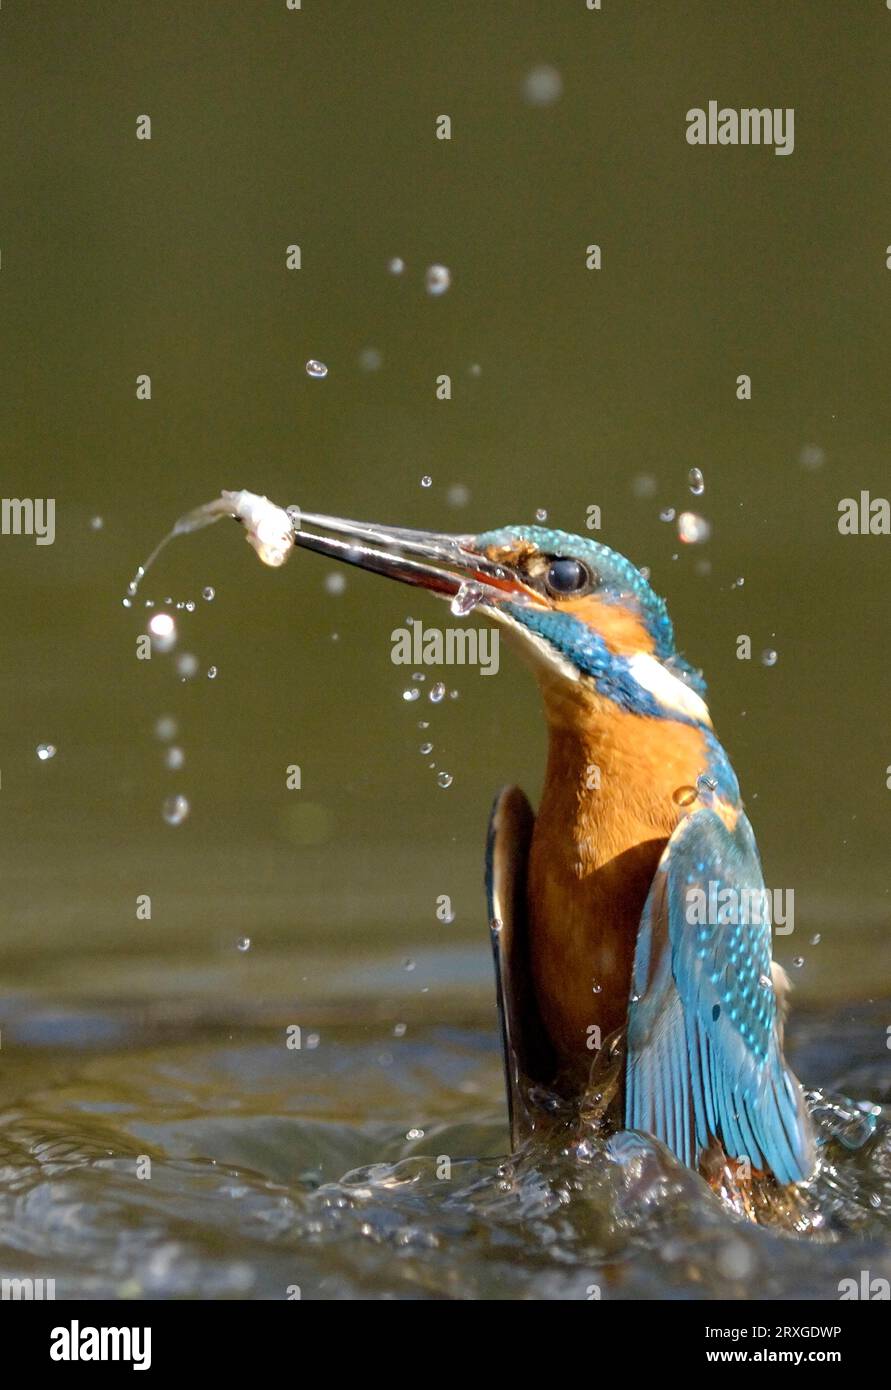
{"x":454,"y":568}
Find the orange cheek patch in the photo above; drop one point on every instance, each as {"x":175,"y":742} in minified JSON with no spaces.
{"x":623,"y":632}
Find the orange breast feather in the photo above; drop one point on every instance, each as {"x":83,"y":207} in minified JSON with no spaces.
{"x":608,"y":807}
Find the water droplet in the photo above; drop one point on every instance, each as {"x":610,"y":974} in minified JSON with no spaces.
{"x":175,"y":809}
{"x":596,"y":988}
{"x":174,"y":758}
{"x":798,"y":962}
{"x":426,"y":481}
{"x":812,"y":457}
{"x":739,"y":582}
{"x":437,"y":693}
{"x":187,"y":665}
{"x":453,"y":695}
{"x":696,"y":481}
{"x":399,"y":1030}
{"x":667,"y":514}
{"x":370,"y":360}
{"x":415,"y":1134}
{"x":127,"y":602}
{"x":209,"y":593}
{"x":769,"y":657}
{"x":243,"y":943}
{"x":211,"y":673}
{"x":166,"y":728}
{"x":426,"y":749}
{"x":542,"y":85}
{"x":735,"y":1260}
{"x":541,"y":514}
{"x":316,"y":369}
{"x":423,"y":724}
{"x":816,"y":939}
{"x":458,"y":495}
{"x":765,"y":982}
{"x":693,"y":529}
{"x":409,"y":964}
{"x":312,"y":1041}
{"x":444,"y":779}
{"x":496,"y":925}
{"x":45,"y":751}
{"x":685,"y":796}
{"x":705,"y":783}
{"x":162,"y":627}
{"x":411,"y":694}
{"x":97,"y":523}
{"x":646,"y":572}
{"x":466,"y":599}
{"x":396,"y":265}
{"x":418,"y":676}
{"x":643,"y":485}
{"x":437,"y":279}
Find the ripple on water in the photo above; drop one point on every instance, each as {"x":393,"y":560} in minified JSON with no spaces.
{"x":271,"y":1170}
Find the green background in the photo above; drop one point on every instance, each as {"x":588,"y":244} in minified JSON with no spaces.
{"x":317,"y":127}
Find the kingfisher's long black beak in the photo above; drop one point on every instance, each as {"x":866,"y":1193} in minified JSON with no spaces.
{"x":405,"y":554}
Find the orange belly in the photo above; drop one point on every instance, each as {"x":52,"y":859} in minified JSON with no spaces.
{"x":595,"y":850}
{"x":583,"y":935}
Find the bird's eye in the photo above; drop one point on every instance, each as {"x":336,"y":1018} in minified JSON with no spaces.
{"x":568,"y":576}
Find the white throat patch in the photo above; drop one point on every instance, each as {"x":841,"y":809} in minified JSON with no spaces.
{"x":669,"y":690}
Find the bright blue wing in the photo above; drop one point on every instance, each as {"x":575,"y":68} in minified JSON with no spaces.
{"x":705,"y":1058}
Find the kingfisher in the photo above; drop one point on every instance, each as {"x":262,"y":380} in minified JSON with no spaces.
{"x":632,"y":906}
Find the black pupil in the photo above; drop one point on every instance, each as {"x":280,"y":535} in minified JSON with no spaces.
{"x":567,"y":576}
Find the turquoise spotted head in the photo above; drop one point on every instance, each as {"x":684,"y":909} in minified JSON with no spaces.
{"x":583,"y":612}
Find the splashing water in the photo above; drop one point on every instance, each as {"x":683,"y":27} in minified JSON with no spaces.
{"x":336,"y":1182}
{"x":437,"y":279}
{"x":175,"y":809}
{"x":468,"y":597}
{"x":693,"y":529}
{"x":268,"y":529}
